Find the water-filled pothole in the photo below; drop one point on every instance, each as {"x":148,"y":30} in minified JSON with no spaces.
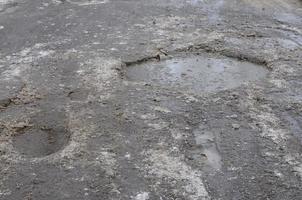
{"x":46,"y":135}
{"x":202,"y":73}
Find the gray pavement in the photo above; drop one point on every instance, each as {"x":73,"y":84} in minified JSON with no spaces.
{"x":150,"y":100}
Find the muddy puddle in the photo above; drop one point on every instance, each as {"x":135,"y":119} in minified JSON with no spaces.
{"x":207,"y":140}
{"x":198,"y":74}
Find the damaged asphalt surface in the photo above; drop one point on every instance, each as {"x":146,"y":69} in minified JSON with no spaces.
{"x":80,"y":119}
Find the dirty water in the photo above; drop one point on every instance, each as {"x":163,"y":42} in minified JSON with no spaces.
{"x":206,"y":139}
{"x":197,"y":74}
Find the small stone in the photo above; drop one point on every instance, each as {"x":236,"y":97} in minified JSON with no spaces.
{"x":142,"y":196}
{"x":147,"y":84}
{"x":216,"y":99}
{"x":161,"y":109}
{"x":156,"y":99}
{"x":235,"y":95}
{"x":234,"y":116}
{"x":235,"y":126}
{"x":128,"y":156}
{"x":5,"y":102}
{"x":190,"y":99}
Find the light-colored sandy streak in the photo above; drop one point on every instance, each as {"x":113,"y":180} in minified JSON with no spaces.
{"x":271,"y":129}
{"x":87,"y":2}
{"x":163,"y":165}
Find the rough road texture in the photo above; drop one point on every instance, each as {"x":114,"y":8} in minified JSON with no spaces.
{"x":73,"y":127}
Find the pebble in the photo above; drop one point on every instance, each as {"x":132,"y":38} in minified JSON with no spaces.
{"x":235,"y":126}
{"x":232,"y":116}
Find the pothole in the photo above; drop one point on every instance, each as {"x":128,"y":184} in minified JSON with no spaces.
{"x":46,"y":135}
{"x":202,"y":73}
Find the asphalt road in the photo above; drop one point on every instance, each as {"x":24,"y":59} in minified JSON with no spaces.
{"x":150,"y":99}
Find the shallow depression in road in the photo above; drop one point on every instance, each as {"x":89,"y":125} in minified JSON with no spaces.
{"x":38,"y":142}
{"x":202,"y":73}
{"x":46,"y":135}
